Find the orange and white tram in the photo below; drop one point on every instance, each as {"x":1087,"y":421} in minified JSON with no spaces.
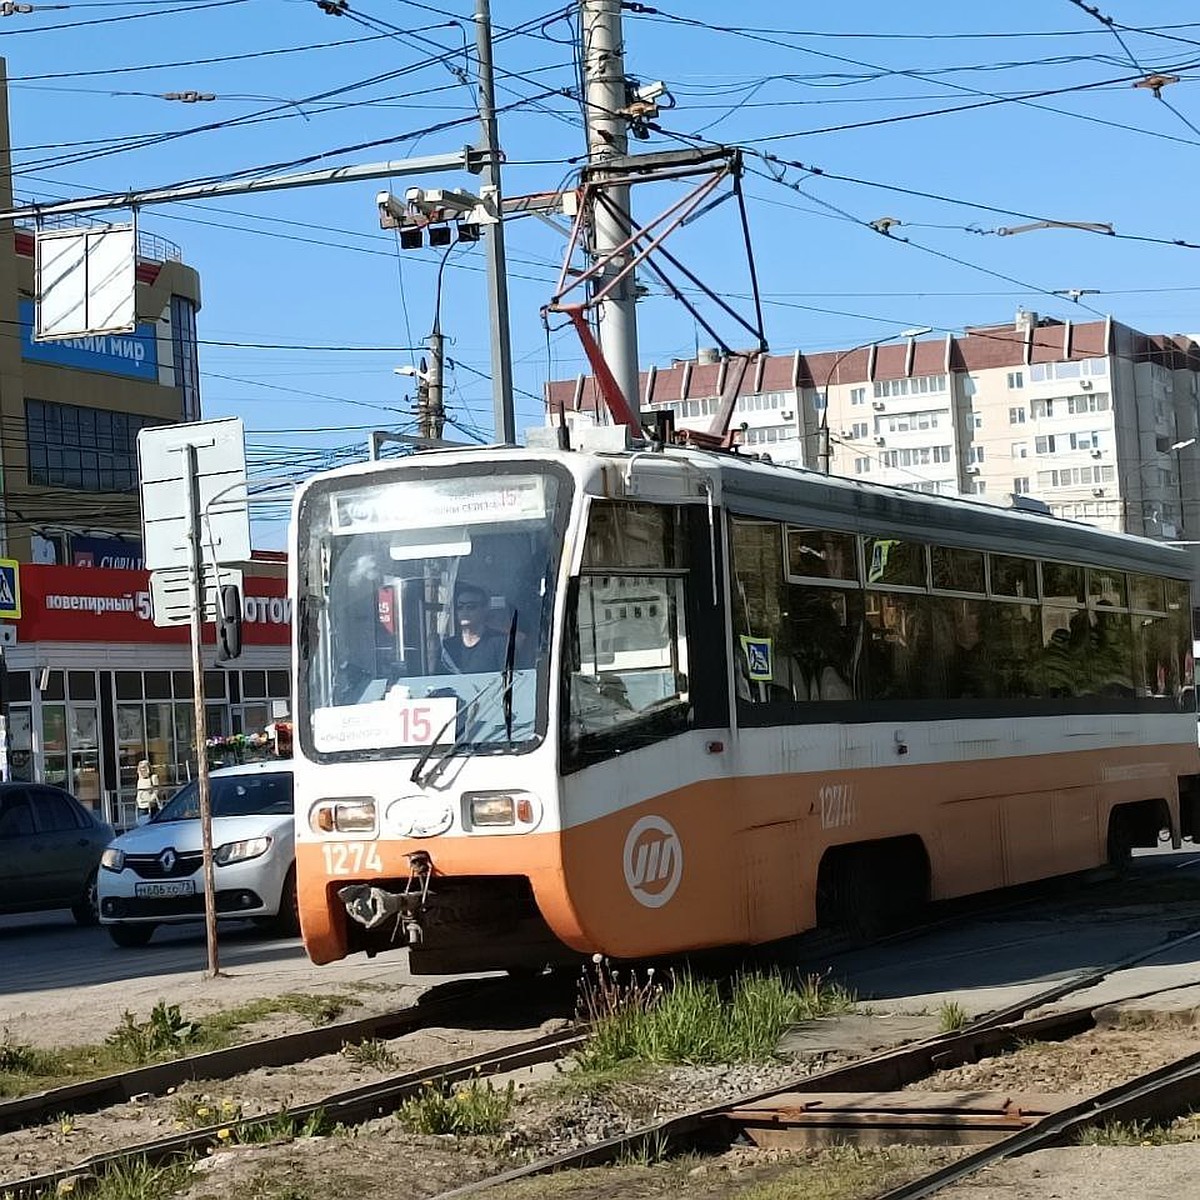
{"x":553,"y":703}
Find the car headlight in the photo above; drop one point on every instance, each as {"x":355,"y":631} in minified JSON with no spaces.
{"x":113,"y":859}
{"x":234,"y":852}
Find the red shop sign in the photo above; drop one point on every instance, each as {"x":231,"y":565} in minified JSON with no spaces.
{"x":92,"y":604}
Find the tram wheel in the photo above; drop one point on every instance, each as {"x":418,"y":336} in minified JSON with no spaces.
{"x":1121,"y":837}
{"x":851,"y":898}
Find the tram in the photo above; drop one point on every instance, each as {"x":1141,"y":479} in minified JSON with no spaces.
{"x":552,"y":703}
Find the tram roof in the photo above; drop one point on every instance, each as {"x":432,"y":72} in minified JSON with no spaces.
{"x":798,"y":494}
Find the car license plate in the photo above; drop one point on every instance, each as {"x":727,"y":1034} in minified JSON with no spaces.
{"x":159,"y":891}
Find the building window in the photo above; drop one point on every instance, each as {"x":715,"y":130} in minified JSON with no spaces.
{"x":859,"y":429}
{"x":922,"y":385}
{"x":1085,"y":368}
{"x":1043,"y":408}
{"x":187,"y":362}
{"x":941,"y":454}
{"x":85,"y":449}
{"x":1016,"y":416}
{"x":1086,"y":441}
{"x":1096,"y":402}
{"x":1021,"y":485}
{"x":858,"y":395}
{"x":974,"y":454}
{"x":1016,"y":379}
{"x":1019,"y":450}
{"x":977,"y":420}
{"x":862,"y":466}
{"x":1044,"y":445}
{"x":978,"y":486}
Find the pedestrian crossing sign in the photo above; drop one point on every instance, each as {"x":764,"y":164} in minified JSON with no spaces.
{"x":10,"y":589}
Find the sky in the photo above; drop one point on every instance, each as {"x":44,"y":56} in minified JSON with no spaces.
{"x":953,"y":120}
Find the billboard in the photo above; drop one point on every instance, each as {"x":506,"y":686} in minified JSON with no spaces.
{"x":132,"y":354}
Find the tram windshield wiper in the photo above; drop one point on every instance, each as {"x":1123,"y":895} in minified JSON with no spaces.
{"x":501,"y":686}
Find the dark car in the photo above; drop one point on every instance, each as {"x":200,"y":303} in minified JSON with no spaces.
{"x":50,"y":847}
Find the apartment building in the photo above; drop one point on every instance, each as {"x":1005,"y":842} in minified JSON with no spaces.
{"x":1096,"y":419}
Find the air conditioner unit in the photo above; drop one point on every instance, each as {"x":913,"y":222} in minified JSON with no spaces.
{"x":789,"y":415}
{"x":881,"y":441}
{"x":1097,"y":491}
{"x":1085,"y":385}
{"x":1097,"y":453}
{"x":878,"y":404}
{"x":973,"y":469}
{"x":845,"y":433}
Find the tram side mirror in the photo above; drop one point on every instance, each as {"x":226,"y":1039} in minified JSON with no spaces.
{"x":229,"y":622}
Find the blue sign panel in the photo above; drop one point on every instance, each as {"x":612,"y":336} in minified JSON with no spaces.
{"x":114,"y":554}
{"x":133,"y":354}
{"x":10,"y":589}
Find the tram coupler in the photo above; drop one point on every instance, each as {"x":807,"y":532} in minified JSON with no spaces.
{"x":372,"y":906}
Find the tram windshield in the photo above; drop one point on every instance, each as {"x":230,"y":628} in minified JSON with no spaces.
{"x":425,"y":609}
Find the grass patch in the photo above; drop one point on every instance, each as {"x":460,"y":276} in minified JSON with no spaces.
{"x":371,"y":1052}
{"x":282,"y":1127}
{"x":477,"y":1109}
{"x":1143,"y":1133}
{"x":164,"y":1035}
{"x":952,"y":1016}
{"x":199,"y":1112}
{"x":689,"y":1020}
{"x":135,"y":1181}
{"x":843,"y":1173}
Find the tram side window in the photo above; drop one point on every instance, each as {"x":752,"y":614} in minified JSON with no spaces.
{"x":900,"y":647}
{"x":627,"y":638}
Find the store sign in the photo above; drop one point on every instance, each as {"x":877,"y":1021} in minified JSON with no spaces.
{"x":113,"y":553}
{"x":133,"y":354}
{"x":94,"y":604}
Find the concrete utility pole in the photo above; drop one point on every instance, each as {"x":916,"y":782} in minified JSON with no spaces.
{"x":502,"y":382}
{"x":433,"y":386}
{"x":608,"y":138}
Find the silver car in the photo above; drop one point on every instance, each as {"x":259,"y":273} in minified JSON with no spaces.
{"x":153,"y":875}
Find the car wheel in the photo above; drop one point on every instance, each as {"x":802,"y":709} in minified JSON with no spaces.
{"x":86,"y":910}
{"x":130,"y":936}
{"x":287,"y":920}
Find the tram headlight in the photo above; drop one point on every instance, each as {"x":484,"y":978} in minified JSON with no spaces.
{"x":343,"y":816}
{"x":506,"y":808}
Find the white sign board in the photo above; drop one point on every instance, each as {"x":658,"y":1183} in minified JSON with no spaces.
{"x":171,"y":594}
{"x":85,"y":282}
{"x":224,"y":514}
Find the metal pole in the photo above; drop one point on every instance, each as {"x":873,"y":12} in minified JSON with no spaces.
{"x":1179,"y":479}
{"x":463,"y":160}
{"x":435,"y":408}
{"x":196,"y":573}
{"x":608,"y":138}
{"x":502,"y":383}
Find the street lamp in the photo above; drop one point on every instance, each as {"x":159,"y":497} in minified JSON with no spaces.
{"x":823,"y":453}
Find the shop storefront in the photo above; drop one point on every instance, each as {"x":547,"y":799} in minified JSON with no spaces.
{"x":94,"y":687}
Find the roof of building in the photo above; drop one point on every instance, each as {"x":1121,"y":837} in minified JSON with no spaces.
{"x":1028,"y":340}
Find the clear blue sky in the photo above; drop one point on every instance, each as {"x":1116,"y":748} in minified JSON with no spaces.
{"x":313,"y":268}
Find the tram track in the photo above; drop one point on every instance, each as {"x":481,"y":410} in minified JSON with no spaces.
{"x":704,"y":1128}
{"x":1160,"y":1094}
{"x":91,"y":1095}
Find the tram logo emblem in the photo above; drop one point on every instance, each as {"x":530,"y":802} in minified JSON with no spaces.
{"x":653,"y":861}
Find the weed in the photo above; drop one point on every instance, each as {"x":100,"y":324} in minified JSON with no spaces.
{"x":137,"y":1181}
{"x":199,"y":1112}
{"x":695,"y":1021}
{"x":65,"y":1122}
{"x":371,"y":1053}
{"x":952,"y":1016}
{"x":650,"y":1151}
{"x":474,"y":1110}
{"x":164,"y":1033}
{"x":19,"y":1058}
{"x":1143,"y":1133}
{"x":317,"y":1010}
{"x":282,"y":1127}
